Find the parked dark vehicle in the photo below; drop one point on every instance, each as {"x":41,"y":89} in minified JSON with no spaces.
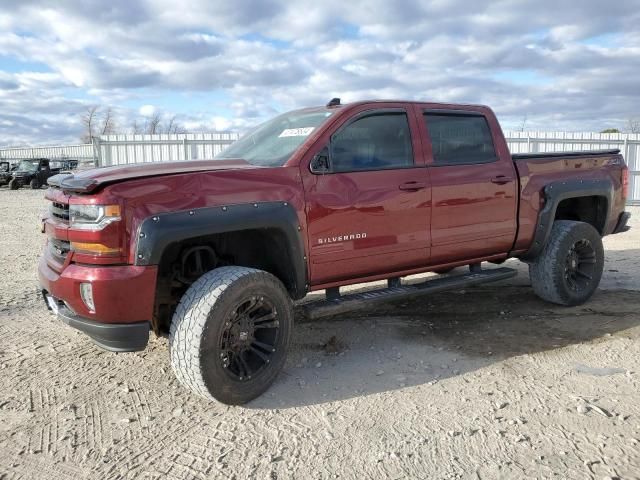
{"x":5,"y":173}
{"x":213,"y":253}
{"x":35,"y":172}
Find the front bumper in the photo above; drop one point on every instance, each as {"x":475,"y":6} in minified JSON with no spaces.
{"x":623,"y":220}
{"x":123,"y":295}
{"x":115,"y":337}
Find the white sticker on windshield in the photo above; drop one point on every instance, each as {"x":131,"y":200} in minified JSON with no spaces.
{"x":296,"y":132}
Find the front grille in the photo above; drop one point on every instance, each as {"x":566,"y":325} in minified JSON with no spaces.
{"x":60,"y":211}
{"x":59,"y":249}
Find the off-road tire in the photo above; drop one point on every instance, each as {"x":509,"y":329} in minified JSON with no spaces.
{"x":199,"y":324}
{"x":13,"y":184}
{"x":35,"y":184}
{"x":548,"y":273}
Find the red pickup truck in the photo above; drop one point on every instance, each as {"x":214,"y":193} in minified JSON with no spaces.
{"x":214,"y":252}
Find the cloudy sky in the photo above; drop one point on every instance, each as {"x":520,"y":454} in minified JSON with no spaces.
{"x":219,"y":65}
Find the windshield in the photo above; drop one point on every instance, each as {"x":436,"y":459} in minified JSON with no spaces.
{"x":272,"y":143}
{"x":26,"y":166}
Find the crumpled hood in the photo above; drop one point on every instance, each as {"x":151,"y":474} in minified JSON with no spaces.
{"x":88,"y":181}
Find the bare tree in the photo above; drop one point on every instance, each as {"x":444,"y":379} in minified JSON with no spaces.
{"x":108,"y":124}
{"x":633,"y":125}
{"x":173,"y":126}
{"x":153,"y":124}
{"x":136,"y":127}
{"x":89,"y":118}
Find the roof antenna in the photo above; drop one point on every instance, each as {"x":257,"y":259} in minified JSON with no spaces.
{"x":334,"y":102}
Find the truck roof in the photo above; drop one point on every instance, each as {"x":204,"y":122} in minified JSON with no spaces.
{"x":413,"y":102}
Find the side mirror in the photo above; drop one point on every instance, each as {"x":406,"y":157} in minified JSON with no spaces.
{"x":320,"y":163}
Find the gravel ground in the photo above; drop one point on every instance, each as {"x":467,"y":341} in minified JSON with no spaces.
{"x":481,"y":383}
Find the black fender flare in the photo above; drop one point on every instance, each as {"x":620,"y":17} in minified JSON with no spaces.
{"x":554,"y":193}
{"x":158,"y":231}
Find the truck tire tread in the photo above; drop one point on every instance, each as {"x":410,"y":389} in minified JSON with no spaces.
{"x":546,"y":272}
{"x":191,"y":319}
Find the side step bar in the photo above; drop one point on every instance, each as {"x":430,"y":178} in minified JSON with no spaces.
{"x":336,"y":304}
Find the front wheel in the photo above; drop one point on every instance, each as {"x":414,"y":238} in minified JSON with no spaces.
{"x":13,"y":184}
{"x":569,"y":268}
{"x":230,"y":333}
{"x":35,"y":184}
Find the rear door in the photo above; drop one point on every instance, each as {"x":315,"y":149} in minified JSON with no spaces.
{"x":474,"y":185}
{"x":370,"y":213}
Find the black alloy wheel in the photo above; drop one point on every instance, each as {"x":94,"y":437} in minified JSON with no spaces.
{"x":230,"y":333}
{"x":569,"y":268}
{"x":580,"y":265}
{"x":249,"y":338}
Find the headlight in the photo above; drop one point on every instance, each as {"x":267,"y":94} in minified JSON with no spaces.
{"x":93,"y":217}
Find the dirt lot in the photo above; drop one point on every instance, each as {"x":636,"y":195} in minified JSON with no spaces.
{"x":484,"y":383}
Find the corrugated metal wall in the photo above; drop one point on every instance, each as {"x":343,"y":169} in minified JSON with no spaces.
{"x":83,"y":152}
{"x":126,"y":149}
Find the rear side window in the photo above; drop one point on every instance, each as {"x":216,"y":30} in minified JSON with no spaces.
{"x":460,"y":139}
{"x":375,"y":142}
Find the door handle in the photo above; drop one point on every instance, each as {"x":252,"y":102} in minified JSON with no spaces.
{"x":412,"y":186}
{"x":501,"y":180}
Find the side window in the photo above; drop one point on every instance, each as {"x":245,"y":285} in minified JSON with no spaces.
{"x":375,"y":142}
{"x":460,"y":139}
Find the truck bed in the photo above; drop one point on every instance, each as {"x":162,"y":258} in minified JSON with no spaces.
{"x":596,"y":175}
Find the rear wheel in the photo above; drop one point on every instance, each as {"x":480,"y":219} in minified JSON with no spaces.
{"x":569,"y":268}
{"x":230,"y":333}
{"x":34,"y":183}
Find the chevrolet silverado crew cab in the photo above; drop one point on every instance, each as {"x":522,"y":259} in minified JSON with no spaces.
{"x":214,"y":253}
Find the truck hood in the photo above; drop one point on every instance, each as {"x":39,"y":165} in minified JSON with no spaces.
{"x":88,"y":181}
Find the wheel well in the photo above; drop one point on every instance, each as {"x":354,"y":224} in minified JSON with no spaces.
{"x":592,"y":210}
{"x":182,"y":263}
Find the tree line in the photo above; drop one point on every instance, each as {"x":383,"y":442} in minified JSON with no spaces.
{"x":633,"y":126}
{"x":97,"y":121}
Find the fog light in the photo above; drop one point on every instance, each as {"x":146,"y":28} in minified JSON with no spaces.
{"x":86,"y":292}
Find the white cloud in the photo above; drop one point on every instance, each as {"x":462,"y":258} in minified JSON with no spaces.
{"x":563,"y":64}
{"x":221,"y":123}
{"x":147,"y":110}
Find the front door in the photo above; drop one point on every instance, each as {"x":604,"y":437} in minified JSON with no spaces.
{"x":369,"y":214}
